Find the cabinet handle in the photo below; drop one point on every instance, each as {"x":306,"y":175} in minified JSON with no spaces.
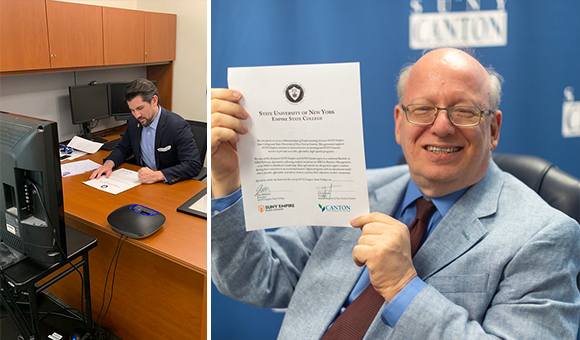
{"x":53,"y":56}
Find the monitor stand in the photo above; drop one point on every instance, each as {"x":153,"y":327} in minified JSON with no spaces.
{"x":9,"y":256}
{"x":87,"y":134}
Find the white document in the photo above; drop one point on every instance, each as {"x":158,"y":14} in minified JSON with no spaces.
{"x":302,"y":163}
{"x":77,"y":168}
{"x":200,"y":204}
{"x":119,"y":181}
{"x":85,"y":145}
{"x":74,"y":155}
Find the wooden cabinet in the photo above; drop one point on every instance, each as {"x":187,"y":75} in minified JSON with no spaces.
{"x":160,"y":31}
{"x":75,"y":33}
{"x":43,"y":35}
{"x":123,"y":34}
{"x":137,"y":36}
{"x":23,"y":33}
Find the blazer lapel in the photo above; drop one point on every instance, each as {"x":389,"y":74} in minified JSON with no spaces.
{"x":461,"y":227}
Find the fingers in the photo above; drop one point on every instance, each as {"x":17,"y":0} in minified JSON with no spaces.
{"x":95,"y":174}
{"x":361,"y":254}
{"x":226,"y":116}
{"x":225,"y":120}
{"x":100,"y":171}
{"x":226,"y":94}
{"x":361,"y":221}
{"x":225,"y":101}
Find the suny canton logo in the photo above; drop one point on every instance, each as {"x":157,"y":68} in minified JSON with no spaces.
{"x":334,"y":208}
{"x":294,"y":93}
{"x":469,"y":28}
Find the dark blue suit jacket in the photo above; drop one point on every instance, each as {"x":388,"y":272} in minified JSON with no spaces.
{"x":176,"y":154}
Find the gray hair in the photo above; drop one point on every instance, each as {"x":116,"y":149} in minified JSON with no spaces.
{"x":495,"y":83}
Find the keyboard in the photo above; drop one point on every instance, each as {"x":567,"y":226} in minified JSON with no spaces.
{"x":110,"y":145}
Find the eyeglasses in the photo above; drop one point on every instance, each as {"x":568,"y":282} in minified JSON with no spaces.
{"x":422,"y":114}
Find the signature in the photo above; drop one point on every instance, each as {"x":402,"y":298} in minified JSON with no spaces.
{"x":324,"y":192}
{"x":262,"y":190}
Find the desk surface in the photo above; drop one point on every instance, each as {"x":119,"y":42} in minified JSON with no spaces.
{"x":182,"y":239}
{"x":161,"y":290}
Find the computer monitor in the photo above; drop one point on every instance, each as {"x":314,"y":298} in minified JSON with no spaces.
{"x":119,"y":108}
{"x":31,"y":198}
{"x":89,"y":103}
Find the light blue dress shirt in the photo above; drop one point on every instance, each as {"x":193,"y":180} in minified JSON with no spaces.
{"x":148,"y":143}
{"x":405,"y":213}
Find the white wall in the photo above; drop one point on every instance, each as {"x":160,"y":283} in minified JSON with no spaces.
{"x":189,"y":69}
{"x":46,"y":95}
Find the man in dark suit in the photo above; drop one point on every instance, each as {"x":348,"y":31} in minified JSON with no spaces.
{"x":160,"y":140}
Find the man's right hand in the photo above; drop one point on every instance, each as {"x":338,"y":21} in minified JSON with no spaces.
{"x":105,"y":169}
{"x":226,"y":124}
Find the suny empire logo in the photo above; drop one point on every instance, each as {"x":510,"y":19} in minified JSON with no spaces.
{"x":294,"y":93}
{"x":459,"y":23}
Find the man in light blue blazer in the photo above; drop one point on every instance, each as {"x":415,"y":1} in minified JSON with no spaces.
{"x":497,"y":262}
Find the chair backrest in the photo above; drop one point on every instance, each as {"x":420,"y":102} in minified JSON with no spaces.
{"x":199,"y":130}
{"x":560,"y":189}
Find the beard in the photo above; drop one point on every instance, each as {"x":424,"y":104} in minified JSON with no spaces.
{"x":145,"y":122}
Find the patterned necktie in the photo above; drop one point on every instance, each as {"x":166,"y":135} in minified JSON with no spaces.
{"x":354,"y":322}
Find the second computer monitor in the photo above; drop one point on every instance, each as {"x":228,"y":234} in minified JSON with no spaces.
{"x":89,"y":103}
{"x":119,"y":108}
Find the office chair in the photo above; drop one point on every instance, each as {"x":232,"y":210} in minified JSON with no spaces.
{"x":199,"y":130}
{"x":560,"y":189}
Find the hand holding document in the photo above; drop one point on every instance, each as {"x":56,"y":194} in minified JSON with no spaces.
{"x":302,"y":162}
{"x":119,"y":181}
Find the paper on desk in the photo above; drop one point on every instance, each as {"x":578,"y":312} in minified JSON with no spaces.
{"x":85,"y":145}
{"x":200,"y":204}
{"x":77,"y":168}
{"x":74,"y":155}
{"x":302,"y":162}
{"x":119,"y":181}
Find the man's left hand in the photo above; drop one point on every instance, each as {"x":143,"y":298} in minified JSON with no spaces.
{"x":385,"y":248}
{"x":148,"y":176}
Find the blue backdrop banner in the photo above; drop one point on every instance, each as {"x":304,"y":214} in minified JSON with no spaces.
{"x":534,"y":45}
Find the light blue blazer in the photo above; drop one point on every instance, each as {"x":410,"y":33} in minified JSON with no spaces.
{"x":501,"y":264}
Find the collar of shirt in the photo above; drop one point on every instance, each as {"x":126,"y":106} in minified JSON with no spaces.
{"x":153,"y":125}
{"x":407,"y":210}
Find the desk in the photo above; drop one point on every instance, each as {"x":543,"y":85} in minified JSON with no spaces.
{"x":24,"y":276}
{"x":160,"y":288}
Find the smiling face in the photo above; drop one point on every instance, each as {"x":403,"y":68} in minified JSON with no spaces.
{"x":444,"y":158}
{"x":143,"y":111}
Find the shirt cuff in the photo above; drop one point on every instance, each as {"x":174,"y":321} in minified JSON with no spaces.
{"x":394,"y":310}
{"x":220,"y":204}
